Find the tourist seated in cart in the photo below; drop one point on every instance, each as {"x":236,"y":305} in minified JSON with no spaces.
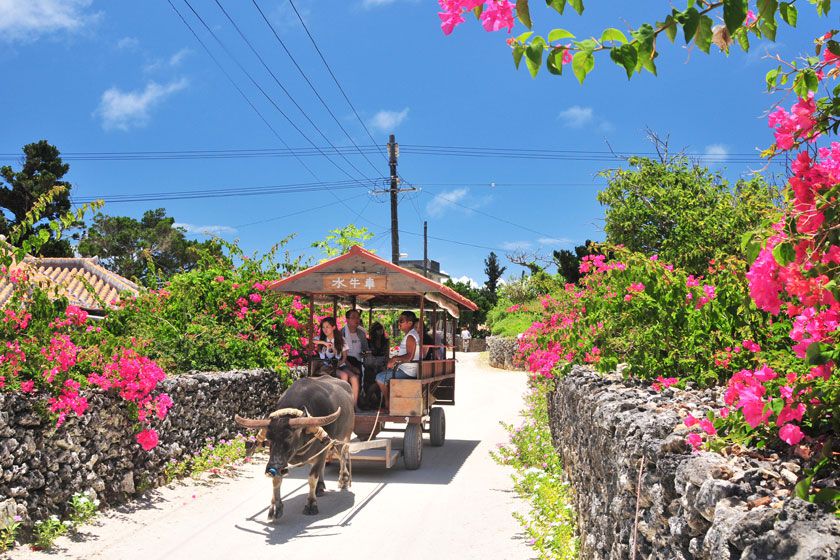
{"x":404,"y":364}
{"x":333,"y":354}
{"x":378,"y":346}
{"x":355,"y":340}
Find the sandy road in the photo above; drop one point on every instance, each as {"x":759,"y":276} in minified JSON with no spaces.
{"x":457,"y":505}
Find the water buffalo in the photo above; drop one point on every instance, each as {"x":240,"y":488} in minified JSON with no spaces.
{"x":314,"y":414}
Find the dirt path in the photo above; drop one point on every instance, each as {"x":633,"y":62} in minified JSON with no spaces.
{"x":457,"y":505}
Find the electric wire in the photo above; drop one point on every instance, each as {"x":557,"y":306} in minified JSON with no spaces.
{"x":254,"y":82}
{"x":283,"y":88}
{"x":332,"y":74}
{"x":298,"y":212}
{"x":311,"y":85}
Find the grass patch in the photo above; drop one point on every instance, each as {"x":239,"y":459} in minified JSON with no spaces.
{"x":538,"y":478}
{"x":214,"y":457}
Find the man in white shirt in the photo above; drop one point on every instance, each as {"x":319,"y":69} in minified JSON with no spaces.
{"x":465,"y":338}
{"x":355,"y":339}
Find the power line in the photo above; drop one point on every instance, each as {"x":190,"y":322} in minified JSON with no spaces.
{"x":332,"y":74}
{"x":242,"y":69}
{"x":302,"y":211}
{"x":283,"y":88}
{"x":311,"y":85}
{"x":223,"y":192}
{"x":453,"y":241}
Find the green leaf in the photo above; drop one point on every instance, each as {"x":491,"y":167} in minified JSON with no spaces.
{"x":703,"y":37}
{"x":613,"y":34}
{"x":582,"y":64}
{"x":689,"y":19}
{"x":784,"y":253}
{"x":767,"y":9}
{"x":826,"y":495}
{"x":823,"y":6}
{"x":558,"y":5}
{"x":577,"y":5}
{"x":805,"y":81}
{"x":525,"y":36}
{"x":518,"y":51}
{"x":557,"y":34}
{"x":768,"y":28}
{"x":44,"y":235}
{"x":554,"y":62}
{"x":788,"y":13}
{"x":587,"y":45}
{"x":734,"y":14}
{"x":478,"y":10}
{"x":523,"y":13}
{"x":803,"y":488}
{"x":743,"y":39}
{"x":771,"y":77}
{"x":833,"y":47}
{"x":670,"y":26}
{"x":534,"y":54}
{"x":626,"y":56}
{"x":814,"y":354}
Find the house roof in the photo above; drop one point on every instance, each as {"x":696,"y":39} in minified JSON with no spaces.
{"x":74,"y":278}
{"x":403,"y":284}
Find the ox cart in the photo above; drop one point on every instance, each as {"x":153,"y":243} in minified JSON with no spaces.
{"x":361,"y":280}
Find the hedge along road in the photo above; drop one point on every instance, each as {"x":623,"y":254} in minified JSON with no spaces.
{"x":457,"y":505}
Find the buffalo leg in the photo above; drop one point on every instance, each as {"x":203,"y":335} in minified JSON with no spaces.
{"x":276,"y":510}
{"x":345,"y":477}
{"x":311,"y":507}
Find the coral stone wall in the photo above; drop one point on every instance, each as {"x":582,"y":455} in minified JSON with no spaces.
{"x":41,"y":467}
{"x":690,"y":505}
{"x":501,"y":352}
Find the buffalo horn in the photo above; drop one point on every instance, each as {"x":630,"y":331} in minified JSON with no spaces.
{"x":312,"y":421}
{"x":296,"y":412}
{"x":252,"y":422}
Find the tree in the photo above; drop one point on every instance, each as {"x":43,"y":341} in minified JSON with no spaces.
{"x":340,"y":240}
{"x":494,"y":273}
{"x":478,"y":296}
{"x":141,"y":249}
{"x":681,"y":211}
{"x":568,"y":263}
{"x":41,"y":171}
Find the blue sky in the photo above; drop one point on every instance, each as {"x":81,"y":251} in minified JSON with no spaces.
{"x":95,"y":76}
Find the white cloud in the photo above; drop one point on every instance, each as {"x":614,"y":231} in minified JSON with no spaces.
{"x":128,"y":43}
{"x":553,"y":240}
{"x":26,"y":20}
{"x":387,"y":121}
{"x":205,"y":230}
{"x":123,"y":110}
{"x":467,"y":280}
{"x":445,"y":200}
{"x":576,"y":116}
{"x":716,"y":153}
{"x":516,"y":245}
{"x":176,"y":58}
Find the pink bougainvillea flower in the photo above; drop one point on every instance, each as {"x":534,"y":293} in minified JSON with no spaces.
{"x":255,"y":298}
{"x":690,"y":420}
{"x":751,"y":18}
{"x":791,"y":434}
{"x":707,"y":426}
{"x":694,"y":440}
{"x":497,"y":15}
{"x":27,"y":386}
{"x":148,"y":439}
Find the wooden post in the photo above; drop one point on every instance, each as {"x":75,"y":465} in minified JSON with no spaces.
{"x":311,"y":345}
{"x":445,"y":320}
{"x":422,"y":331}
{"x":370,"y":316}
{"x":335,"y":310}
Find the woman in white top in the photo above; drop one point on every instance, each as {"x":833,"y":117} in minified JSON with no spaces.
{"x":333,"y":352}
{"x":404,"y":364}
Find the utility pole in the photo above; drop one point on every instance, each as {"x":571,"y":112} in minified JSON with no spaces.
{"x":393,"y":153}
{"x":426,"y":249}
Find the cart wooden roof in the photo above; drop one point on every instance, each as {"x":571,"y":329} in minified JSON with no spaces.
{"x":372,"y":280}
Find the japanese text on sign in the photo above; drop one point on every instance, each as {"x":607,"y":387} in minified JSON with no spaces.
{"x":359,"y":283}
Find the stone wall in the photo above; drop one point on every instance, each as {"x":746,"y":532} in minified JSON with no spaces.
{"x":690,"y":505}
{"x":41,"y":467}
{"x":502,"y":351}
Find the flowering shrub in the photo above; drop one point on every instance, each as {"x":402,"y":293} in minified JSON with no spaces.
{"x":216,"y":317}
{"x":660,"y":321}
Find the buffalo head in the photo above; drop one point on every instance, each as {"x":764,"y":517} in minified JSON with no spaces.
{"x":287,"y":429}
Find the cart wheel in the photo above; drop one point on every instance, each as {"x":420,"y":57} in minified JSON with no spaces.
{"x":437,"y":427}
{"x":413,"y":446}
